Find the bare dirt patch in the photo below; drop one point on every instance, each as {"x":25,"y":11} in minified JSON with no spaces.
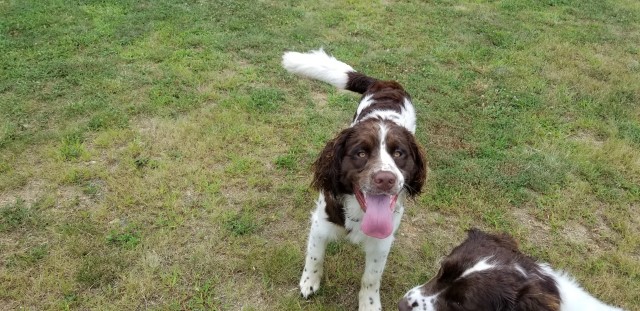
{"x":319,"y":98}
{"x":588,"y":139}
{"x":448,"y":137}
{"x":538,"y":231}
{"x":29,"y":193}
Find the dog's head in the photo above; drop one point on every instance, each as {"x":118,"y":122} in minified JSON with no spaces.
{"x":485,"y":272}
{"x":376,"y":161}
{"x":373,"y":156}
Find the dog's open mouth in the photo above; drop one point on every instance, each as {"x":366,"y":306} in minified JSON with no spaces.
{"x":378,"y":213}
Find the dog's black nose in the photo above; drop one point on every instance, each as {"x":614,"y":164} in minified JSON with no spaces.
{"x":403,"y":305}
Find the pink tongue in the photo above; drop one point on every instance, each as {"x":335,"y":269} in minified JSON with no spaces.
{"x":378,"y":219}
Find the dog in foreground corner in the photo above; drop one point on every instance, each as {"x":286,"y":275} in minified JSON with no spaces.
{"x":364,"y":175}
{"x":487,"y":272}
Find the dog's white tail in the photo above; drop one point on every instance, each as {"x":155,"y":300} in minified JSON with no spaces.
{"x":321,"y":66}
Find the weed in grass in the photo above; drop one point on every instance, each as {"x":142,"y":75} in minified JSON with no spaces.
{"x":142,"y":162}
{"x":240,"y":165}
{"x":78,"y":175}
{"x":67,"y":301}
{"x":240,"y":223}
{"x":15,"y":215}
{"x":91,"y":188}
{"x":108,"y":118}
{"x":127,"y":240}
{"x":204,"y":297}
{"x":287,"y":161}
{"x":72,"y":147}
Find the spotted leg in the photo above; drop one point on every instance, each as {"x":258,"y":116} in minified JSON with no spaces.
{"x":376,"y":254}
{"x":319,"y":236}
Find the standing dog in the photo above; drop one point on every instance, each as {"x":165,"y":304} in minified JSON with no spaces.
{"x":364,"y":175}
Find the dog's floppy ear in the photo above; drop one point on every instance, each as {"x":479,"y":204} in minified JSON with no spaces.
{"x":417,"y":180}
{"x":502,"y":239}
{"x":326,"y":168}
{"x":538,"y":296}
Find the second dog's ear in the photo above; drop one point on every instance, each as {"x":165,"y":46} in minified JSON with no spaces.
{"x":534,"y":296}
{"x":503,"y":239}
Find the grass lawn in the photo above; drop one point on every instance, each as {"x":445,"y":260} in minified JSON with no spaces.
{"x":154,"y":154}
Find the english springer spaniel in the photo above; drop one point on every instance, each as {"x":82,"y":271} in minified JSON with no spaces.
{"x":488,"y":272}
{"x":364,"y":174}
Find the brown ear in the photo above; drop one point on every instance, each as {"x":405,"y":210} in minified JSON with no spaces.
{"x":503,"y":239}
{"x":539,"y":295}
{"x":417,"y":180}
{"x":507,"y":241}
{"x":327,"y":167}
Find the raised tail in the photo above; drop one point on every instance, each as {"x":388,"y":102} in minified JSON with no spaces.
{"x":321,"y":66}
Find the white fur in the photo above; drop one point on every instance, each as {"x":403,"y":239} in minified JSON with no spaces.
{"x":572,"y":296}
{"x":519,"y":269}
{"x":364,"y":103}
{"x":425,"y":303}
{"x":376,"y":250}
{"x":386,"y":160}
{"x":479,"y":266}
{"x":317,"y":65}
{"x":406,"y":118}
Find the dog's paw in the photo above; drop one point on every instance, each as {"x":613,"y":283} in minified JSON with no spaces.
{"x":369,"y":301}
{"x":310,"y":282}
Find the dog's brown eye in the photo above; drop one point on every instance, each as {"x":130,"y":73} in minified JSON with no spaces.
{"x":362,"y":154}
{"x":397,"y":153}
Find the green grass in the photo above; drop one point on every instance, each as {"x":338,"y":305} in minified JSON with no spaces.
{"x":154,"y":154}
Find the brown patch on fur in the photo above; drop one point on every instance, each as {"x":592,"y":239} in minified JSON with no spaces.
{"x":358,"y":82}
{"x":334,"y":209}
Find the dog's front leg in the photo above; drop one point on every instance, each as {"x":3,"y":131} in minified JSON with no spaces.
{"x":316,"y":245}
{"x":312,"y":273}
{"x":376,"y":253}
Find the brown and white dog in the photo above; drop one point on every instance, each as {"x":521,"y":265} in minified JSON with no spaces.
{"x":488,"y":272}
{"x":364,"y":174}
